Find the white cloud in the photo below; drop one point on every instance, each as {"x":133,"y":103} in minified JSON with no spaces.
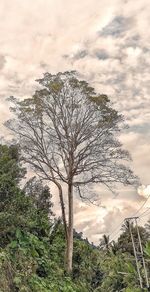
{"x":144,"y":191}
{"x":59,"y":35}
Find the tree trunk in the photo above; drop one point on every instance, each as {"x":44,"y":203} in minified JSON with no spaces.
{"x":63,"y":213}
{"x":69,"y":251}
{"x":69,"y":228}
{"x":62,"y":209}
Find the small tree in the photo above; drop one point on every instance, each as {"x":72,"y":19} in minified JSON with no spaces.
{"x":68,"y":133}
{"x":11,"y":172}
{"x":40,"y":194}
{"x":125,"y":242}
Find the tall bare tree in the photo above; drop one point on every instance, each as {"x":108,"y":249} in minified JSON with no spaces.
{"x":68,"y":134}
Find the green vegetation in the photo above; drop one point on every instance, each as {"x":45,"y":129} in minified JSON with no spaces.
{"x":32,"y":243}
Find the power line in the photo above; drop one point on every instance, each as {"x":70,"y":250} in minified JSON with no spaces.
{"x":141,"y":206}
{"x":147,"y":209}
{"x":120,"y":224}
{"x":116,"y":236}
{"x":114,"y":232}
{"x":146,"y":213}
{"x":117,"y":227}
{"x":112,"y":239}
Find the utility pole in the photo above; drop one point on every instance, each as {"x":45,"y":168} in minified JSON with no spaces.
{"x":141,"y":250}
{"x":138,"y":252}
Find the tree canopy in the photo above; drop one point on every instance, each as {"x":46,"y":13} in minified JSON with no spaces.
{"x":69,"y":134}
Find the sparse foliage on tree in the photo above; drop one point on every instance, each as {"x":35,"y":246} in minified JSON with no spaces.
{"x":69,"y":134}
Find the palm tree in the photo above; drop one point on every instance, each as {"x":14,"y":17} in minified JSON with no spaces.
{"x":104,"y":242}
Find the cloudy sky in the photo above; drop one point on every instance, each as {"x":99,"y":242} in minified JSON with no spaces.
{"x":107,"y":41}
